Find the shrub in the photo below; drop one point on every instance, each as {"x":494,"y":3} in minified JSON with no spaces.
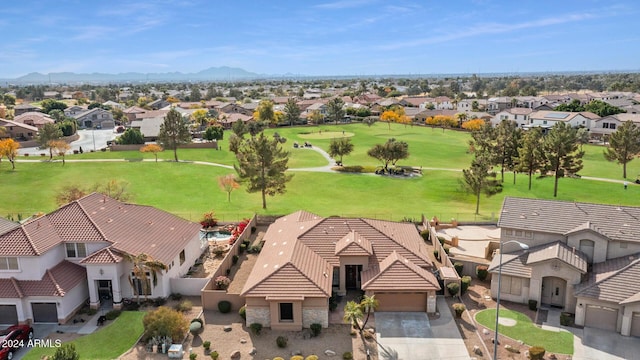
{"x":482,"y":272}
{"x":459,"y":308}
{"x":253,"y":229}
{"x":184,"y":306}
{"x":453,"y":288}
{"x":297,"y":357}
{"x":159,"y":301}
{"x":446,"y":249}
{"x":281,"y":341}
{"x":565,"y":319}
{"x":92,"y":312}
{"x":458,"y":266}
{"x":224,"y":306}
{"x":242,"y":248}
{"x":533,"y":305}
{"x":243,"y":312}
{"x":234,"y":259}
{"x":436,"y":254}
{"x":175,"y":296}
{"x":425,"y":234}
{"x":311,"y":357}
{"x":195,"y":327}
{"x":441,"y":239}
{"x":536,"y":353}
{"x":165,"y":321}
{"x":347,"y":356}
{"x":214,"y":355}
{"x":256,"y":328}
{"x":316,"y":329}
{"x":66,"y":352}
{"x":193,"y":356}
{"x":112,"y":315}
{"x":206,"y":345}
{"x":465,"y":281}
{"x":222,"y":282}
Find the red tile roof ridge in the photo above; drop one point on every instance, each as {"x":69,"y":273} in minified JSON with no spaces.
{"x":107,"y":251}
{"x":59,"y":289}
{"x":16,"y":285}
{"x":29,"y":240}
{"x":84,"y":210}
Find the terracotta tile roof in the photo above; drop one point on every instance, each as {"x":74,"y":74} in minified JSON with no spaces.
{"x":353,"y":244}
{"x":104,"y":256}
{"x":619,"y":223}
{"x":397,"y":273}
{"x":300,"y":251}
{"x":55,"y":282}
{"x":74,"y":224}
{"x":6,"y":225}
{"x":31,"y":239}
{"x":615,"y":280}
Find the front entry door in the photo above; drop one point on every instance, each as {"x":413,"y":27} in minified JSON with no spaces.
{"x":352,"y":276}
{"x":553,"y":291}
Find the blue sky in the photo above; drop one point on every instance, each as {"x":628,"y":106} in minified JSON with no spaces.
{"x":332,"y":37}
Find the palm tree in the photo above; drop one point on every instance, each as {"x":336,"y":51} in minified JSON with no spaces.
{"x":143,"y":264}
{"x":353,"y":314}
{"x":368,"y":304}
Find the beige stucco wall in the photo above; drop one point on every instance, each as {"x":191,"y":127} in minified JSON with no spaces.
{"x":522,"y":298}
{"x":580,"y":310}
{"x":350,"y":260}
{"x":599,"y":247}
{"x":566,"y":272}
{"x":534,"y":239}
{"x":617,"y":249}
{"x":294,"y":325}
{"x":305,"y":313}
{"x":627,"y":316}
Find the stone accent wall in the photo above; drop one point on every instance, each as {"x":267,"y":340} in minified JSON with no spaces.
{"x":260,"y":315}
{"x":315,"y":315}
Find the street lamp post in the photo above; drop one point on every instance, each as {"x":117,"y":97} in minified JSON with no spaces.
{"x":93,"y":133}
{"x":495,"y":338}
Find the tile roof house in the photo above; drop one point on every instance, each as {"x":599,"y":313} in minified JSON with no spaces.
{"x":34,"y":118}
{"x":50,"y":265}
{"x":19,"y":131}
{"x":584,"y":258}
{"x":96,"y":117}
{"x":306,"y":258}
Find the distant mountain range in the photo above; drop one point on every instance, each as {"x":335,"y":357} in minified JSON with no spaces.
{"x":223,"y":73}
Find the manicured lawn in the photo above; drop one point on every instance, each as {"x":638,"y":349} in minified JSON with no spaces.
{"x":554,"y":342}
{"x":108,"y":342}
{"x":188,"y":189}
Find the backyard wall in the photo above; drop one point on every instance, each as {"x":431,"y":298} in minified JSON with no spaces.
{"x":188,"y":286}
{"x":210,"y":295}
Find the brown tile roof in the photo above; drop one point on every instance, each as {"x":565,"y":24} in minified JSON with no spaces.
{"x":304,"y":245}
{"x":104,"y":256}
{"x":151,"y":114}
{"x":614,"y":280}
{"x":31,"y":239}
{"x":353,"y":244}
{"x":74,"y":224}
{"x":55,"y":282}
{"x":37,"y":118}
{"x":563,"y":217}
{"x":134,"y":110}
{"x":397,"y":273}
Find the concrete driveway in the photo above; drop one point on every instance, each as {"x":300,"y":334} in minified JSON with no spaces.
{"x":411,"y":336}
{"x":591,"y":344}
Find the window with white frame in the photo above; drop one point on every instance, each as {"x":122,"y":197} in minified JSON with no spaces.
{"x":9,"y":263}
{"x":141,"y":286}
{"x":76,"y":250}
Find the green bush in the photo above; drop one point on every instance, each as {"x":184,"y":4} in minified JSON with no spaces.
{"x":453,"y":288}
{"x":256,"y":328}
{"x":206,"y":345}
{"x":234,"y":259}
{"x":92,"y":312}
{"x":425,"y":234}
{"x":459,"y":267}
{"x":165,"y":321}
{"x":465,"y":282}
{"x":316,"y":329}
{"x":214,"y":355}
{"x":436,"y":254}
{"x":565,"y":319}
{"x":112,"y":315}
{"x":446,"y":249}
{"x":533,"y":305}
{"x":195,"y":327}
{"x":243,"y":312}
{"x":184,"y":306}
{"x":347,"y":356}
{"x":482,"y":272}
{"x":441,"y":239}
{"x":224,"y":306}
{"x":459,"y":308}
{"x":242,"y":248}
{"x":175,"y":296}
{"x":282,"y":341}
{"x":356,"y":169}
{"x":536,"y":353}
{"x":193,"y":356}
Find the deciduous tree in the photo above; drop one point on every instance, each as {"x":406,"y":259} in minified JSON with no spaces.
{"x":335,"y":111}
{"x":9,"y":149}
{"x":228,"y":183}
{"x":61,"y":148}
{"x":390,"y":152}
{"x":46,"y":134}
{"x":214,"y":132}
{"x":69,"y":193}
{"x":264,"y":112}
{"x":473,"y":125}
{"x":624,"y":145}
{"x":165,"y":321}
{"x":262,"y":164}
{"x":174,"y":132}
{"x":560,"y":146}
{"x":152,"y":148}
{"x":340,"y":147}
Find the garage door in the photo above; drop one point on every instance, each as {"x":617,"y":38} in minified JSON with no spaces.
{"x":601,"y":317}
{"x":635,"y":324}
{"x":402,"y":302}
{"x":8,"y":314}
{"x":44,"y":312}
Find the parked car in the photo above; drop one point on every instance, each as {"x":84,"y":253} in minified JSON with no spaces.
{"x":13,"y":338}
